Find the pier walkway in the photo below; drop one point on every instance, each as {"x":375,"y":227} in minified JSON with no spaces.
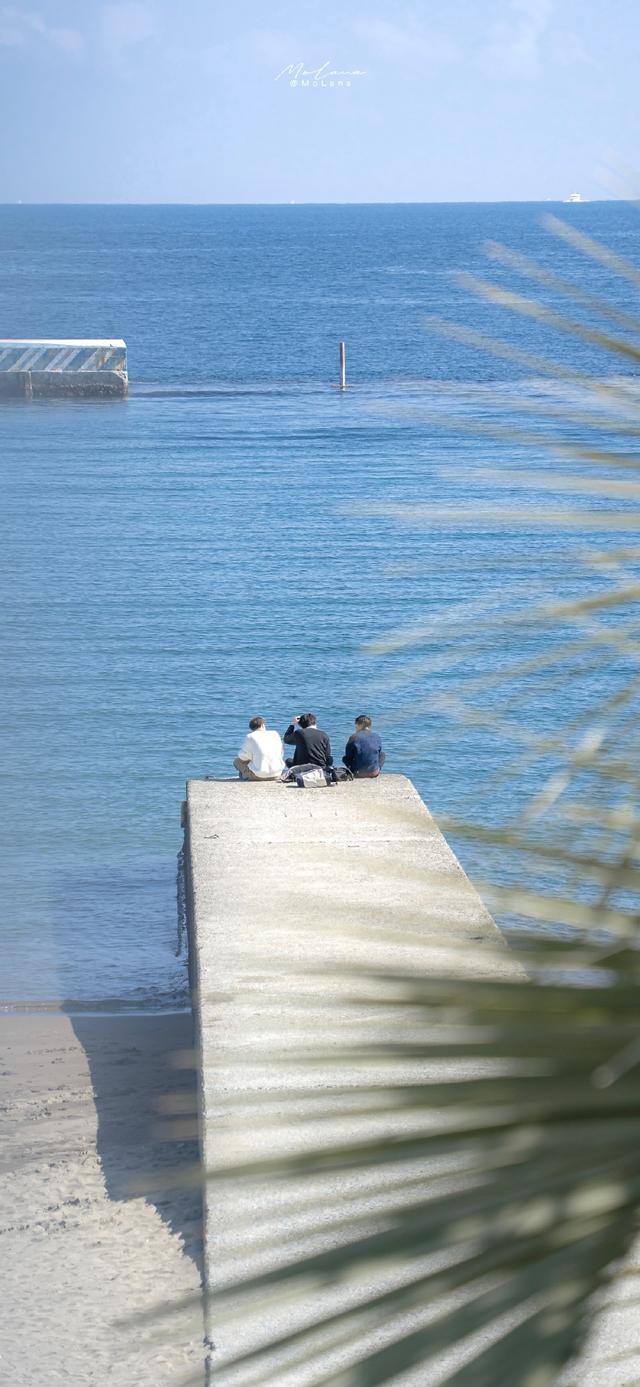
{"x":288,"y":892}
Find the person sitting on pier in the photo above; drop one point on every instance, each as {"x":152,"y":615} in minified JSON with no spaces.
{"x":312,"y":746}
{"x":363,"y":754}
{"x":261,"y":756}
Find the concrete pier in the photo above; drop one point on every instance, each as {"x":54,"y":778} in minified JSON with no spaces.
{"x":281,"y":879}
{"x":89,"y":367}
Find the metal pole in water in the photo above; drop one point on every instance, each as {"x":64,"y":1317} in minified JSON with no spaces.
{"x":343,"y":366}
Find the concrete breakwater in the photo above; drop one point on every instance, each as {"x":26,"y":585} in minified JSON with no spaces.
{"x":47,"y":367}
{"x":286,"y":891}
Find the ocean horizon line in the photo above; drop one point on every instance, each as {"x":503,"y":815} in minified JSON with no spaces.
{"x":304,"y":202}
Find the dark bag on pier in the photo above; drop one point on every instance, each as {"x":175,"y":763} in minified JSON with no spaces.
{"x":310,"y":777}
{"x":340,"y":773}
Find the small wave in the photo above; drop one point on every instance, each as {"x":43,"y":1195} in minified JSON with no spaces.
{"x":629,"y":381}
{"x":228,"y":390}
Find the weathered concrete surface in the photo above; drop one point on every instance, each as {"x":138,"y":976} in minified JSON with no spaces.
{"x":356,"y":876}
{"x":89,"y":367}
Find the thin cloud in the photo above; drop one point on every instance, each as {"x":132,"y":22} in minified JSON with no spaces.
{"x":516,"y":46}
{"x":268,"y":52}
{"x":521,"y":43}
{"x":268,"y":45}
{"x":408,"y":40}
{"x":568,"y":49}
{"x":127,"y":24}
{"x":19,"y":29}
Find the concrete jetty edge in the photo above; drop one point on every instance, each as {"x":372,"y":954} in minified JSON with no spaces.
{"x":33,"y":368}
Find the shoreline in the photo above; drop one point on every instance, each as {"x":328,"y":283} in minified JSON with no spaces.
{"x":71,"y":1009}
{"x":91,"y":1236}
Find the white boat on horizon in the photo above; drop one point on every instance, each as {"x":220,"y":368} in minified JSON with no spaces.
{"x":574,"y":197}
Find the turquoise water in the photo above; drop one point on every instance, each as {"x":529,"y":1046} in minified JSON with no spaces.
{"x":172,"y":564}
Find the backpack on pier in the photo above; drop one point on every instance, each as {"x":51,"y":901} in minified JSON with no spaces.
{"x":311,"y":777}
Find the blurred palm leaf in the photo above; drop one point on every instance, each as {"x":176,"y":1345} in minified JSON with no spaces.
{"x":492,"y":1180}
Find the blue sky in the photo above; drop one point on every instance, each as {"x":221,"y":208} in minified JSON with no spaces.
{"x":158,"y":101}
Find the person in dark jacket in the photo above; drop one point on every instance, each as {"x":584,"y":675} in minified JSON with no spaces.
{"x":312,"y":746}
{"x":363,"y":754}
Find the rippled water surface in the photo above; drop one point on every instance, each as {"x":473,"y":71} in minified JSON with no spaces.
{"x":174,"y":563}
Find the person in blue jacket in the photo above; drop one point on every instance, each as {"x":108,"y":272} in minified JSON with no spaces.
{"x":363,"y":754}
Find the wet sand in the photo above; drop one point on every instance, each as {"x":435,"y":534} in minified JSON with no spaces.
{"x":90,"y":1239}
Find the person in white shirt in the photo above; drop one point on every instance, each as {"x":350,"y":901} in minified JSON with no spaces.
{"x":261,"y":755}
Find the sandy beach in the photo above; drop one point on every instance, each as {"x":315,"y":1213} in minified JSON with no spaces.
{"x":90,"y":1240}
{"x":83,"y":1256}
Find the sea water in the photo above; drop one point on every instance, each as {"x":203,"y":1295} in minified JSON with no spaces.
{"x":216,"y":546}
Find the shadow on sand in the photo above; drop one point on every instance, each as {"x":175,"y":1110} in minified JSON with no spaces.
{"x":145,"y":1097}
